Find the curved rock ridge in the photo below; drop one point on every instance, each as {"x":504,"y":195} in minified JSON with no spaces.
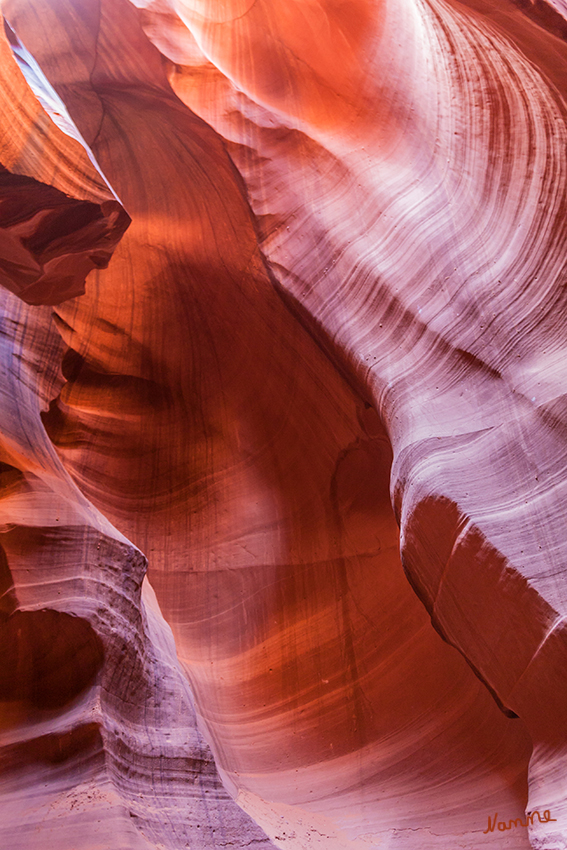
{"x":99,"y":746}
{"x":52,"y":233}
{"x":220,"y":402}
{"x":50,"y":242}
{"x":422,"y":237}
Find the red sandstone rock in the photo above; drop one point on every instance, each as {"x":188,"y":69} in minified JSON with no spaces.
{"x":99,"y":746}
{"x":320,"y":386}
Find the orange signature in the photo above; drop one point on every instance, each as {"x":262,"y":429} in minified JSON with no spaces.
{"x":518,"y":821}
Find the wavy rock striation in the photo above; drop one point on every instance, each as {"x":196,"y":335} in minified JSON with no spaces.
{"x":321,"y":386}
{"x":423,"y":234}
{"x":99,"y":744}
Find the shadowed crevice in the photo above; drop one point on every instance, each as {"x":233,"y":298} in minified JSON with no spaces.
{"x":47,"y":658}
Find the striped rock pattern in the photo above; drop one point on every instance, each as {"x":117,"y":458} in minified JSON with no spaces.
{"x":321,"y":386}
{"x":99,"y":745}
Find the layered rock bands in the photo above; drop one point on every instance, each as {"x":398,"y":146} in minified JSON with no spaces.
{"x":283,"y":424}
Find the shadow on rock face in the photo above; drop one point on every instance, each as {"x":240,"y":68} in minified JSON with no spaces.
{"x":47,"y":658}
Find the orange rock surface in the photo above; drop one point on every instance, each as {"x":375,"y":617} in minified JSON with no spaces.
{"x":283,"y":483}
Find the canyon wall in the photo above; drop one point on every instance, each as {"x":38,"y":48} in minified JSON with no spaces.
{"x":283,"y":424}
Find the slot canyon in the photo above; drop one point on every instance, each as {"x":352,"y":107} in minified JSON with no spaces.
{"x":283,"y":424}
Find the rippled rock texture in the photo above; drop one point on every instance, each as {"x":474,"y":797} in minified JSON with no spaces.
{"x":283,"y":481}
